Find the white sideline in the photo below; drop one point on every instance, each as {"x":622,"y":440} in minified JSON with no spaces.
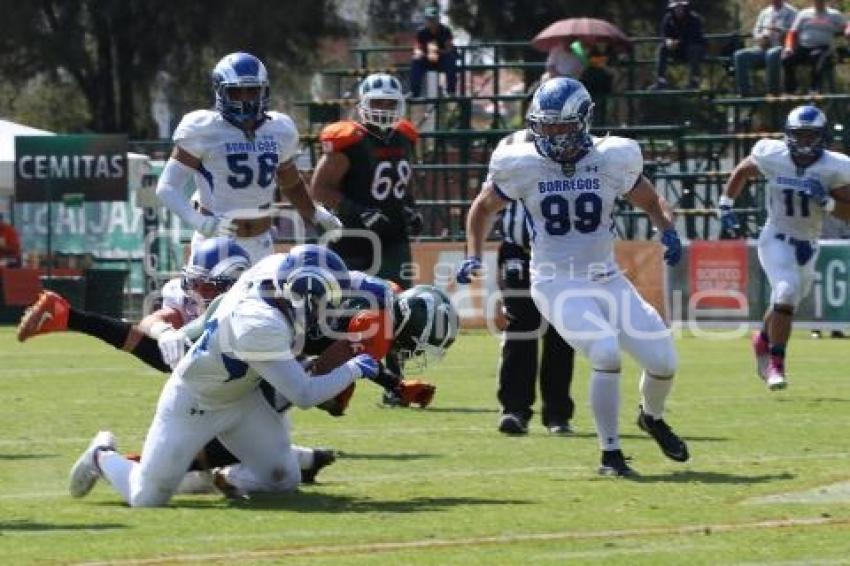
{"x":370,"y":548}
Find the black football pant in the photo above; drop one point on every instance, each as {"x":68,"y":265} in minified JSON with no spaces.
{"x":518,"y":367}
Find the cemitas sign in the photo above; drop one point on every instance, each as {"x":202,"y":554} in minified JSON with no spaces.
{"x":49,"y":167}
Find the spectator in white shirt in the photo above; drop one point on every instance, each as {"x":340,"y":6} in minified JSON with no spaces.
{"x":769,"y":32}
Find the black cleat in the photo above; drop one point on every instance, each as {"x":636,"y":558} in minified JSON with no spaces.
{"x":614,"y":464}
{"x":393,"y":399}
{"x":671,"y":445}
{"x":321,"y":457}
{"x":513,"y":424}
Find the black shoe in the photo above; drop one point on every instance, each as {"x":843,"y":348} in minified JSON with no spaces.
{"x":672,"y":446}
{"x":393,"y":399}
{"x":560,"y":428}
{"x":321,"y":457}
{"x":511,"y":423}
{"x":837,"y":334}
{"x":614,"y":464}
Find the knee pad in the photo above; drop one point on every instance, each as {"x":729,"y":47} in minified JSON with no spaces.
{"x":604,"y":355}
{"x":786,"y":293}
{"x":664,"y":363}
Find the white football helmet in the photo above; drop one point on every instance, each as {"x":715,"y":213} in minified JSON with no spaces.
{"x":806,"y":119}
{"x":380,"y":86}
{"x":561,"y":100}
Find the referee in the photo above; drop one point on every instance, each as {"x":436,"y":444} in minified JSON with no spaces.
{"x":518,"y":365}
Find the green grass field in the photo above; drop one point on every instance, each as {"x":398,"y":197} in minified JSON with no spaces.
{"x":442,"y":486}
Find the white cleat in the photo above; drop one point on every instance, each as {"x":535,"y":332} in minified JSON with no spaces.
{"x":86,"y":472}
{"x":776,"y":378}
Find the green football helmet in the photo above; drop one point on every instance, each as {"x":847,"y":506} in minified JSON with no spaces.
{"x":425,"y":325}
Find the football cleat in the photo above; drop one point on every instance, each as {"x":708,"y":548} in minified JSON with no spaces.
{"x":86,"y":470}
{"x":513,"y":424}
{"x":614,"y":464}
{"x":390,"y":398}
{"x":776,"y":377}
{"x":322,"y":457}
{"x":761,"y":349}
{"x":49,"y":313}
{"x":560,"y":429}
{"x":671,"y":445}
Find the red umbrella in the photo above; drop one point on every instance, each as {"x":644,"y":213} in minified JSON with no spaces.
{"x":588,"y":30}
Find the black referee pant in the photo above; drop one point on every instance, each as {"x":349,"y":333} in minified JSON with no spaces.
{"x":518,"y":367}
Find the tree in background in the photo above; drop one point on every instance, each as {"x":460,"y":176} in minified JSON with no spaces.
{"x":111,"y":50}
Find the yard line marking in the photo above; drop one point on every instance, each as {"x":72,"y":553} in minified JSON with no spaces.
{"x":393,"y":546}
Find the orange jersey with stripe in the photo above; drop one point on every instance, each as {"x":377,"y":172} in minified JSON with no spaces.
{"x":371,"y":333}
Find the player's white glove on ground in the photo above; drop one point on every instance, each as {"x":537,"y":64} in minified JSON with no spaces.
{"x":328,"y":222}
{"x":172,"y":346}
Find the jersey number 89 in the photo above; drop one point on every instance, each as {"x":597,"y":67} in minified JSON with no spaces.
{"x":556,"y":210}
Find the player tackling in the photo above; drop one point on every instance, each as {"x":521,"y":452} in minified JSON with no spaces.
{"x":569,"y":182}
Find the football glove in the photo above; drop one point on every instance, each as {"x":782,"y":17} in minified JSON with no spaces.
{"x":364,"y":365}
{"x":331,"y":225}
{"x":729,"y":222}
{"x":172,"y":345}
{"x":469,"y":268}
{"x":818,"y":193}
{"x":671,"y":241}
{"x":375,"y":220}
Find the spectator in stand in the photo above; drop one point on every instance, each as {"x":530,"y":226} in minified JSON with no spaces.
{"x":769,"y":33}
{"x":683,"y":40}
{"x":10,"y":245}
{"x":566,"y":59}
{"x":433,"y":51}
{"x":810,"y":41}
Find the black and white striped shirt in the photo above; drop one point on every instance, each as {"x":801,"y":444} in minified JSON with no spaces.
{"x":513,"y":224}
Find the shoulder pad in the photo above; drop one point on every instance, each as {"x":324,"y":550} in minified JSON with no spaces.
{"x":407,"y":129}
{"x":341,"y":135}
{"x":194,"y":123}
{"x":768,"y":147}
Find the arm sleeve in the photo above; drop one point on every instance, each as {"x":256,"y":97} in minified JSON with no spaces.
{"x":170,"y":191}
{"x":290,"y":379}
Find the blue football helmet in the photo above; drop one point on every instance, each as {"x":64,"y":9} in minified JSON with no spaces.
{"x":311,"y":280}
{"x":380,"y":86}
{"x":214,"y":266}
{"x":241,"y":70}
{"x":806,"y":119}
{"x":561,"y":100}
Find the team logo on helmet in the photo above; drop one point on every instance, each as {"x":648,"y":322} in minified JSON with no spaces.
{"x":559,"y":119}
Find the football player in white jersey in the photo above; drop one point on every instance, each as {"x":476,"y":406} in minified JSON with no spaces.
{"x":568,"y":181}
{"x":237,"y":155}
{"x":214,"y":389}
{"x":803,"y":177}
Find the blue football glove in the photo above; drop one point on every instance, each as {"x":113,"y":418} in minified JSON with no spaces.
{"x":365,"y":365}
{"x":467,"y":269}
{"x":671,"y":241}
{"x":817,"y":192}
{"x":729,"y":220}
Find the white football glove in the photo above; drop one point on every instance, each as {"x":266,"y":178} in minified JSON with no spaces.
{"x":217,"y":226}
{"x":172,"y":346}
{"x":208,"y":227}
{"x":226,"y":227}
{"x":328,"y":222}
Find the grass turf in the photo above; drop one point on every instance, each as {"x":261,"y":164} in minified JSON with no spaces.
{"x":441,"y":486}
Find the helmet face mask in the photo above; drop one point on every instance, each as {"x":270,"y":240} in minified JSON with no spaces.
{"x":213,"y":268}
{"x":241,"y":87}
{"x":559,"y":118}
{"x":806,"y":133}
{"x":381,"y":101}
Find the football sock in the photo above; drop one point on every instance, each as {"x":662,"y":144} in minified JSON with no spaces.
{"x":654,"y":392}
{"x":147,"y":350}
{"x":777,"y":354}
{"x":116,"y":469}
{"x":108,"y":329}
{"x":764,"y":337}
{"x":304,"y":455}
{"x":605,"y":402}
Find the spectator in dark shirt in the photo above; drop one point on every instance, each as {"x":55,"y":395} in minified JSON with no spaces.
{"x":683,"y":40}
{"x":433,"y":51}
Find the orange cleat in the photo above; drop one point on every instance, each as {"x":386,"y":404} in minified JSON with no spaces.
{"x":48,"y":314}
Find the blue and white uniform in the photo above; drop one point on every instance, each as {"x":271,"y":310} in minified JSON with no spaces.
{"x":575,"y":281}
{"x":788,"y":243}
{"x":237,"y":176}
